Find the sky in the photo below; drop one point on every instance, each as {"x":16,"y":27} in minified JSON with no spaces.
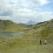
{"x":22,"y":11}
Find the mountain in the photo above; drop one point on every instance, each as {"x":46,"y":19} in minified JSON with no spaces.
{"x":45,"y":30}
{"x":19,"y":38}
{"x":9,"y":26}
{"x":31,"y":22}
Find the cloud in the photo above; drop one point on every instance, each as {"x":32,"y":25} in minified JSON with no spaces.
{"x":15,"y":4}
{"x":43,"y":2}
{"x":37,"y":17}
{"x":44,"y":16}
{"x":5,"y":13}
{"x":24,"y":10}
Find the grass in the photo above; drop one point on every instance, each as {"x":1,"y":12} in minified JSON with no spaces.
{"x":30,"y":49}
{"x":29,"y":42}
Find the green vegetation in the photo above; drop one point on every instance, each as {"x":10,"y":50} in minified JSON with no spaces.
{"x":12,"y":41}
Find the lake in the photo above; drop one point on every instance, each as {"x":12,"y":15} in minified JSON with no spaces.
{"x":11,"y":34}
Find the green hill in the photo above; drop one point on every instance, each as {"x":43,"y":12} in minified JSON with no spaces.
{"x":9,"y":26}
{"x":21,"y":38}
{"x":45,"y":29}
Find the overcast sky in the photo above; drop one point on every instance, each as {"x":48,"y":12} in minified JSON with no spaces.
{"x":25,"y":10}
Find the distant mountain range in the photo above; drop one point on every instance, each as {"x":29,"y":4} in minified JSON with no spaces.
{"x":9,"y":26}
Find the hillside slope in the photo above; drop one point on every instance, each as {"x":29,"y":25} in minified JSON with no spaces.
{"x":45,"y":30}
{"x":29,"y":41}
{"x":9,"y":26}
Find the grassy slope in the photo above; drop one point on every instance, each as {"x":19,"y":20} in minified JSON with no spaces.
{"x":9,"y":26}
{"x":29,"y":43}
